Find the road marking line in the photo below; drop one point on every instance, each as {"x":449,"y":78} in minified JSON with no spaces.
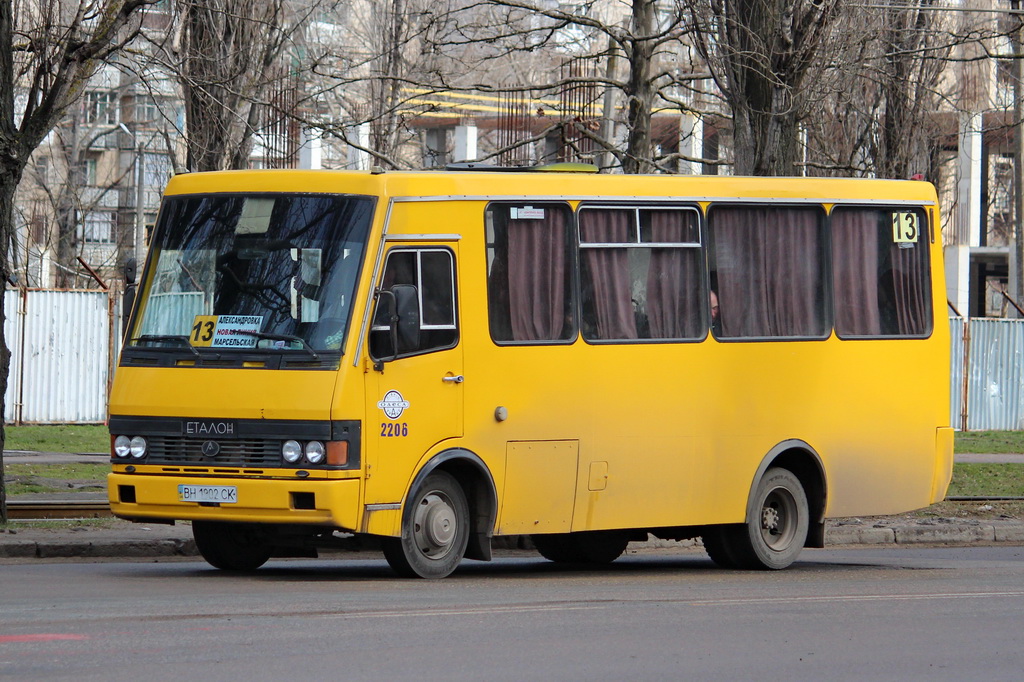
{"x":533,"y":608}
{"x":470,"y":611}
{"x":41,"y":638}
{"x":855,"y":597}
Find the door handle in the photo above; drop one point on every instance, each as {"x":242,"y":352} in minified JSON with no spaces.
{"x":457,"y":379}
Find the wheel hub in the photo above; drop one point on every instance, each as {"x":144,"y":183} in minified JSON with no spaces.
{"x":770,"y":520}
{"x":778,"y":519}
{"x":435,"y":525}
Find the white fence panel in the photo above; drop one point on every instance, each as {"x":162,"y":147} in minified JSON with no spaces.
{"x":61,"y":356}
{"x":997,"y":375}
{"x":14,"y":323}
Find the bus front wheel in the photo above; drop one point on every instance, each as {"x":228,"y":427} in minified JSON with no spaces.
{"x":774,"y":535}
{"x":231,"y":546}
{"x":435,"y":532}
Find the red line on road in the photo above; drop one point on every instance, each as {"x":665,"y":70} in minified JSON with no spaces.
{"x":40,"y":637}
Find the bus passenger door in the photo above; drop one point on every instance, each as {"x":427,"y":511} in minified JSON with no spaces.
{"x":414,"y":393}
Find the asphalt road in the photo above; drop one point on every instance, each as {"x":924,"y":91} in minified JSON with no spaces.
{"x":862,"y":614}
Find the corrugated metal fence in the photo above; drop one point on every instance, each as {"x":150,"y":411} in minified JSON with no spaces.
{"x":63,"y":348}
{"x":994,"y":363}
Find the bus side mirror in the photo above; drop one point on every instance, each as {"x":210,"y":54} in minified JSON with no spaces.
{"x":128,"y":297}
{"x":399,"y":307}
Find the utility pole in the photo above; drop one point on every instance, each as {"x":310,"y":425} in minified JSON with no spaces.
{"x":140,"y":195}
{"x":1017,"y":260}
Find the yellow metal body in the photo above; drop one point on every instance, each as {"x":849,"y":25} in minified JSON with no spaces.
{"x":596,"y":436}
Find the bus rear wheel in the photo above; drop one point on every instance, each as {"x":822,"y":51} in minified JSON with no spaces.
{"x":231,"y":546}
{"x":586,"y":547}
{"x":435,"y":532}
{"x":775,"y":534}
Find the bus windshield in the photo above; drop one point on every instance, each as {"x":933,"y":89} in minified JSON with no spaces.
{"x":260,"y":271}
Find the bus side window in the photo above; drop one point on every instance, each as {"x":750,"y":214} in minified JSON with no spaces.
{"x":430,"y":274}
{"x":529,"y":272}
{"x":768,"y":269}
{"x":880,"y":272}
{"x":640,"y":272}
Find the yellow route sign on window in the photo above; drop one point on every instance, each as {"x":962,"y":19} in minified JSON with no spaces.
{"x":225,"y":331}
{"x":905,"y":227}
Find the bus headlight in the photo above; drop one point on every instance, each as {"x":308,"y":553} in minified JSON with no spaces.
{"x":291,"y":451}
{"x":137,"y":446}
{"x":122,"y":446}
{"x":315,"y":452}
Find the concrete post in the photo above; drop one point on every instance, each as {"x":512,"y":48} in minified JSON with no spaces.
{"x":358,"y":158}
{"x":311,"y":150}
{"x":465,"y":143}
{"x":969,"y":180}
{"x":691,"y":143}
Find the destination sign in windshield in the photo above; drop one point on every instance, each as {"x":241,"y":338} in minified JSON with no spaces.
{"x":225,"y":331}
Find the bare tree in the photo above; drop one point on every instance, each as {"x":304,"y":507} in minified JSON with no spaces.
{"x":48,"y":51}
{"x":881,"y":91}
{"x":374,"y":71}
{"x":224,"y":53}
{"x":633,"y":41}
{"x":762,"y":54}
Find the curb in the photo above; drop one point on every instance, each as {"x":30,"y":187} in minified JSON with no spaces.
{"x":63,"y":549}
{"x":942,"y":531}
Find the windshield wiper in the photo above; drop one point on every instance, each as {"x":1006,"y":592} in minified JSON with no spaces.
{"x":181,"y":338}
{"x":281,"y":337}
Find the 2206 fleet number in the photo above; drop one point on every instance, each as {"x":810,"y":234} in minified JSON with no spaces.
{"x":394,"y":429}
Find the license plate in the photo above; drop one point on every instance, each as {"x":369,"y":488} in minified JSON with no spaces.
{"x":225,"y":494}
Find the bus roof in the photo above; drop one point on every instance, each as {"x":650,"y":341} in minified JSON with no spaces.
{"x":549,"y":185}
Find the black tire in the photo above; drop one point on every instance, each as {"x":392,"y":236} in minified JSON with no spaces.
{"x":586,"y":547}
{"x":232,"y":546}
{"x":435,"y":530}
{"x":718,"y":544}
{"x":775,"y":534}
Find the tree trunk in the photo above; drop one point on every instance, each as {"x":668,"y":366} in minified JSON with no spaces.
{"x":11,"y":168}
{"x":639,"y":90}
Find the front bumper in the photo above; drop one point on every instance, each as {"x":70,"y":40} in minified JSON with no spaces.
{"x":332,"y":503}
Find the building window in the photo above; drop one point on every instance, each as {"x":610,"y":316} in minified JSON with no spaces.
{"x":42,"y":169}
{"x":147,"y":113}
{"x":157,"y":169}
{"x":99,"y":227}
{"x":38,"y":224}
{"x":91,"y":172}
{"x":101,"y":107}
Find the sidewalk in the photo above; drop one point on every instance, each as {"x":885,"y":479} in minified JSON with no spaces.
{"x":126,"y":540}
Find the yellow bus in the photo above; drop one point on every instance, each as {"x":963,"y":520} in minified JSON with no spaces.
{"x":424,"y":361}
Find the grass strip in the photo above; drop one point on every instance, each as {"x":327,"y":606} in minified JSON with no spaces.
{"x":69,"y":438}
{"x":989,"y":442}
{"x":987,"y":480}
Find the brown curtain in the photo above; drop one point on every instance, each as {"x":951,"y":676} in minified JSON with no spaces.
{"x":769,"y":271}
{"x":855,"y":272}
{"x":910,"y":284}
{"x":673,"y":280}
{"x":536,"y":276}
{"x":880,"y":288}
{"x":608,"y":270}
